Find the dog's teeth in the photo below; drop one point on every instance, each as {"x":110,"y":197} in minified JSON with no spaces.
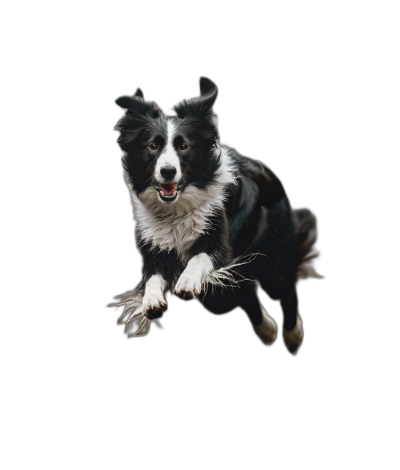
{"x":162,"y":193}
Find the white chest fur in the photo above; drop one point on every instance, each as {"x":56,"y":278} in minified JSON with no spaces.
{"x":177,"y":225}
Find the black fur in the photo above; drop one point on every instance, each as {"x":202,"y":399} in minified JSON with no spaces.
{"x":256,"y":216}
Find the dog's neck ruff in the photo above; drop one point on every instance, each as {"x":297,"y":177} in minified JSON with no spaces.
{"x":179,"y":224}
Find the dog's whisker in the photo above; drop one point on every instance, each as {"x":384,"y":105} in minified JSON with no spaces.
{"x":151,"y":179}
{"x":133,"y":183}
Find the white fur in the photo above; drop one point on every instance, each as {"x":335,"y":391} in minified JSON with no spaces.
{"x":194,"y":275}
{"x":169,"y":156}
{"x":154,"y":293}
{"x":178,"y":224}
{"x":224,"y":277}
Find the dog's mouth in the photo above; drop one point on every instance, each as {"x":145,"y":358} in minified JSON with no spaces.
{"x":168,"y":191}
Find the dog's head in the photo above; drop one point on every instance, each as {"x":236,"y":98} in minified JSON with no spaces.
{"x":170,"y":153}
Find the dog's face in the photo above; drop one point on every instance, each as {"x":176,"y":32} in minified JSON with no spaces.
{"x":166,"y":153}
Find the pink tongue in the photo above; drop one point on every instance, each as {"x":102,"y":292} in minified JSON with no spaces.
{"x":168,"y":189}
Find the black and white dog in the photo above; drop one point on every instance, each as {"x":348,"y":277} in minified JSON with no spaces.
{"x":209,"y":219}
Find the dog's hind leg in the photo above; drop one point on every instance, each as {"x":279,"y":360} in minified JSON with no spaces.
{"x":306,"y":229}
{"x":245,"y":297}
{"x":292,"y":324}
{"x":264,"y":325}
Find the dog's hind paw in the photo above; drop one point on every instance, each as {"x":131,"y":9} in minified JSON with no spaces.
{"x":267,"y":330}
{"x":294,"y":338}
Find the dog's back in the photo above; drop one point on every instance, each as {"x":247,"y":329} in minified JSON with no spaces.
{"x":261,"y":221}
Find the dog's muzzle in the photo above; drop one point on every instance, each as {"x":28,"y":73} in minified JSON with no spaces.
{"x":168,"y":192}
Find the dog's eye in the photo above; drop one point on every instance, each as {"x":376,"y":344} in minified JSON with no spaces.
{"x":153,"y":146}
{"x":183,"y":147}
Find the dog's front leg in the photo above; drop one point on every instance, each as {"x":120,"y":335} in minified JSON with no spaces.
{"x":158,"y":270}
{"x":191,"y":281}
{"x":154,"y":303}
{"x":208,"y":253}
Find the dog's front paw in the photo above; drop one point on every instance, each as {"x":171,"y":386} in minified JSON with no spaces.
{"x":154,"y":307}
{"x":191,"y":280}
{"x":188,"y":286}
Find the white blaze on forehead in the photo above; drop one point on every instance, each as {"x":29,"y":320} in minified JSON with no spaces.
{"x":169,"y":156}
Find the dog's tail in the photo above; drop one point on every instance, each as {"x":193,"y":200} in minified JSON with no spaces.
{"x":306,"y":223}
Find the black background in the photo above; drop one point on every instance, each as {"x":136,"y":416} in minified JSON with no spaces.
{"x":285,"y":113}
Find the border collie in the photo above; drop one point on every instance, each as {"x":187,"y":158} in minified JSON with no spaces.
{"x":210,"y":223}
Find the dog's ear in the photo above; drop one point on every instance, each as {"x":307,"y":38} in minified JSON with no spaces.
{"x":202,"y":105}
{"x":139,"y":115}
{"x":208,"y":90}
{"x":139,"y":93}
{"x":137,"y":105}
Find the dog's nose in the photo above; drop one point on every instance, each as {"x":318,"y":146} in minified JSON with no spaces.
{"x":168,"y":172}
